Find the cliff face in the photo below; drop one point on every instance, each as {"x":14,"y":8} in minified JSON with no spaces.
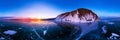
{"x":81,"y":15}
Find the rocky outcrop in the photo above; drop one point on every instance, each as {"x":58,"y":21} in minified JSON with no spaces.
{"x":81,"y":15}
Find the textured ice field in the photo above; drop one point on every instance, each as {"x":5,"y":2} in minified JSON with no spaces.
{"x":50,"y":30}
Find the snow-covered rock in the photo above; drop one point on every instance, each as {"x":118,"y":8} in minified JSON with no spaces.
{"x":10,"y":32}
{"x":81,"y":15}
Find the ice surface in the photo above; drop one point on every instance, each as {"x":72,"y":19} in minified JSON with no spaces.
{"x":14,"y":31}
{"x":34,"y":30}
{"x":1,"y":25}
{"x":19,"y":28}
{"x":110,"y":22}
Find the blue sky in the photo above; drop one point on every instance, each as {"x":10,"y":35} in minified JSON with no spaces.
{"x":52,"y":8}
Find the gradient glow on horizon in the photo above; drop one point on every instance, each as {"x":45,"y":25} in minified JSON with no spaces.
{"x":35,"y":10}
{"x":39,"y":11}
{"x":52,"y":8}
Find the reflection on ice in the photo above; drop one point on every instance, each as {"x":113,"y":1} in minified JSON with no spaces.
{"x":79,"y":29}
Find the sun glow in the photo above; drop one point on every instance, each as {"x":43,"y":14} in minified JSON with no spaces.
{"x":30,"y":20}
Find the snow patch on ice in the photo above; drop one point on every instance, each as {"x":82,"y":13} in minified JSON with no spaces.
{"x":110,"y":22}
{"x":19,"y":28}
{"x":104,"y":29}
{"x":114,"y":36}
{"x":10,"y":32}
{"x":1,"y":25}
{"x":44,"y":32}
{"x":2,"y":38}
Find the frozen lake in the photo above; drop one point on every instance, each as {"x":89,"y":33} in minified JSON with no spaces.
{"x":106,"y":29}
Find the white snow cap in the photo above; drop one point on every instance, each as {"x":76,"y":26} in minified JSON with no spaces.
{"x":81,"y":15}
{"x":10,"y":32}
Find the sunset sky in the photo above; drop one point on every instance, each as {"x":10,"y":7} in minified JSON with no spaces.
{"x":52,"y":8}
